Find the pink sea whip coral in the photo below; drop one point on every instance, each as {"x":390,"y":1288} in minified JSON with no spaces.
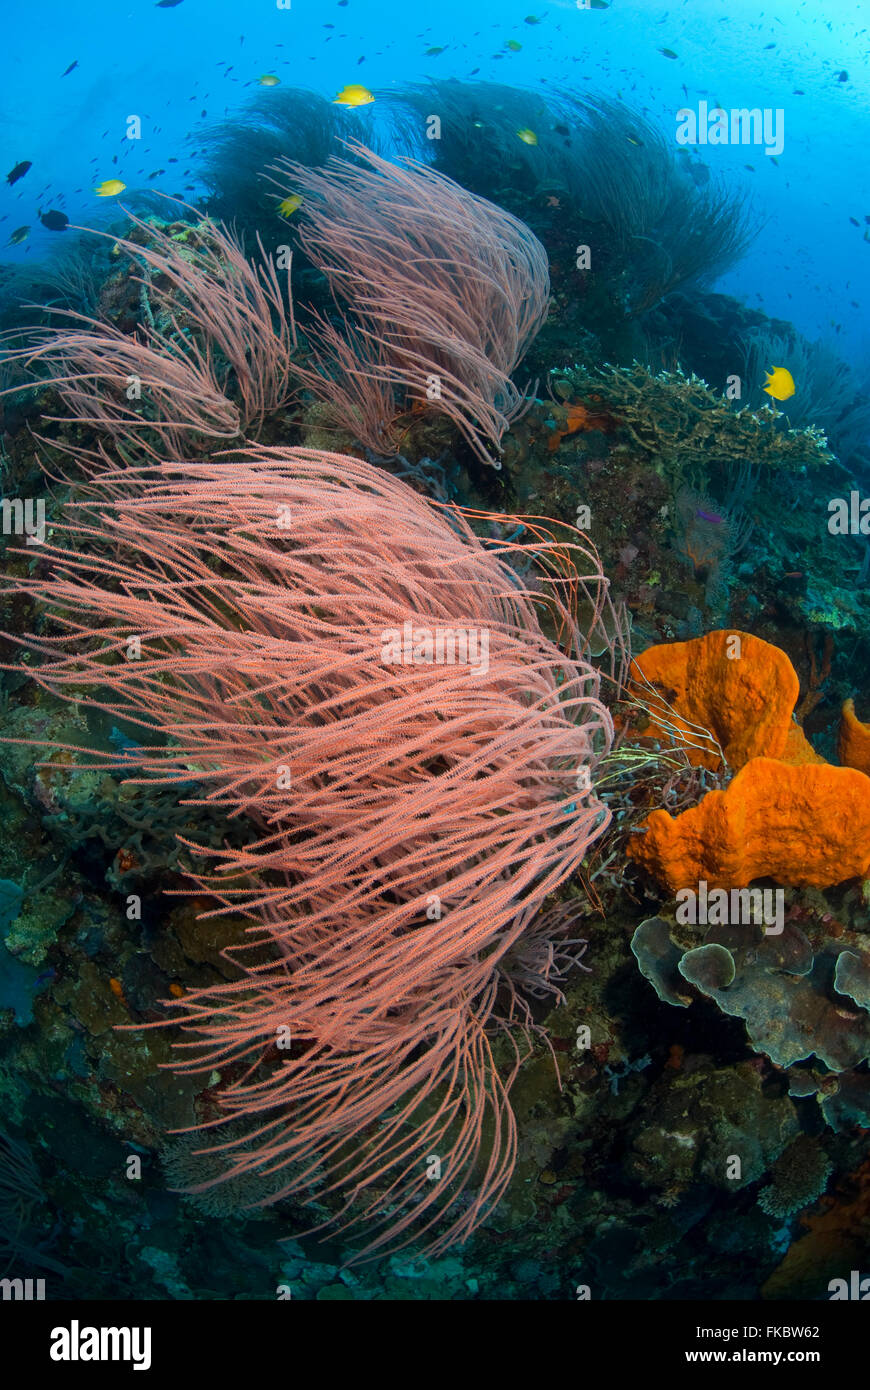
{"x":211,"y":317}
{"x":408,"y":815}
{"x":443,"y":290}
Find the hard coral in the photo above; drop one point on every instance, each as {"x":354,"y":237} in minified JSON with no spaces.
{"x":685,"y":424}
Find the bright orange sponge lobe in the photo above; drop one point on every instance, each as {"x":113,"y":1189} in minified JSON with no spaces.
{"x":800,"y":825}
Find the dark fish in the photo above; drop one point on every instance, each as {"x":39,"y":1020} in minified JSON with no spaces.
{"x":341,"y":4}
{"x":769,"y":45}
{"x":843,"y":76}
{"x":166,"y":4}
{"x":54,"y":221}
{"x":709,"y":516}
{"x":203,"y":113}
{"x":667,"y":53}
{"x":797,"y":92}
{"x":70,"y":68}
{"x":855,"y":222}
{"x":19,"y":171}
{"x":360,"y":60}
{"x":561,"y":130}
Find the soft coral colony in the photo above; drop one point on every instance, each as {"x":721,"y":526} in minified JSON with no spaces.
{"x":406,"y":820}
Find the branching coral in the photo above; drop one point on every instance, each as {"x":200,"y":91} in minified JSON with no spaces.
{"x":408,"y":815}
{"x":685,"y":424}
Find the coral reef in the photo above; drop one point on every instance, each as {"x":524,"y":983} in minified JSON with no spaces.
{"x":283,"y":815}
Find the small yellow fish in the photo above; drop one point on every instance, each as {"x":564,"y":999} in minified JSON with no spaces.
{"x":513,"y":45}
{"x":109,"y":188}
{"x":269,"y":80}
{"x":527,"y":136}
{"x":289,"y":205}
{"x":779,"y":384}
{"x":353,"y":95}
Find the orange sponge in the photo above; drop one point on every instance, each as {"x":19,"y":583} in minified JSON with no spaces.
{"x":798,"y":825}
{"x":853,"y":748}
{"x":739,"y":687}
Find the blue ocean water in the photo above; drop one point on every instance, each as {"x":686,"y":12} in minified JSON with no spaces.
{"x":810,"y":263}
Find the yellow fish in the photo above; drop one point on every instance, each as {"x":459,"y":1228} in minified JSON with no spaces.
{"x":527,"y":136}
{"x":353,"y":95}
{"x":109,"y":188}
{"x":289,"y":205}
{"x":780,"y":384}
{"x":269,"y":80}
{"x":513,"y":45}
